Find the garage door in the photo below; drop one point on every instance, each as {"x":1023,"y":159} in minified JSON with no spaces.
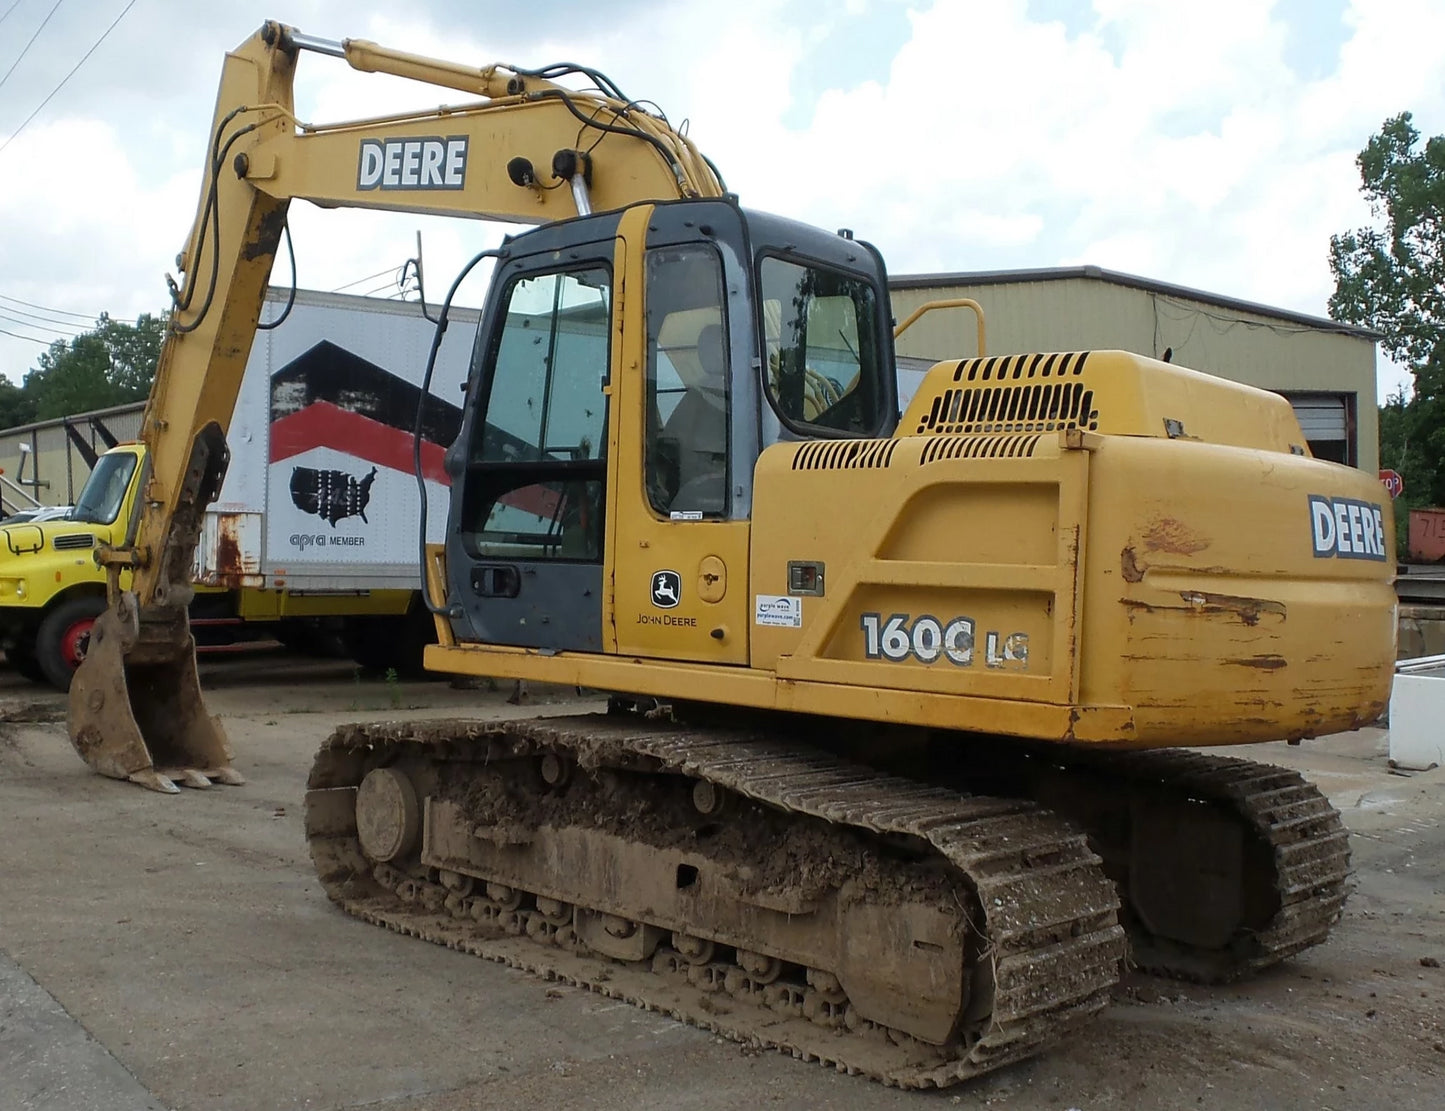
{"x":1321,"y":416}
{"x":1325,"y":420}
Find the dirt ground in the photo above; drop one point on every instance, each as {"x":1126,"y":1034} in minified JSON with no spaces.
{"x":176,"y":952}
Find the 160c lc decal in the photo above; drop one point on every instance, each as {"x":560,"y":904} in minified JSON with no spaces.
{"x":928,"y":640}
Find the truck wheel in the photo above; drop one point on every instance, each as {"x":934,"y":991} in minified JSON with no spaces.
{"x":373,"y":642}
{"x":380,"y":644}
{"x":22,"y":659}
{"x":63,"y":638}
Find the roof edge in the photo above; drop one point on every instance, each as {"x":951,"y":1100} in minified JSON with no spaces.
{"x":1115,"y":277}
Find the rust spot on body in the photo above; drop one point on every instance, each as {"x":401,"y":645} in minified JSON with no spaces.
{"x":1170,"y":535}
{"x":228,"y":548}
{"x":230,"y":570}
{"x":268,"y":235}
{"x":1262,"y":663}
{"x":1129,"y":566}
{"x":1248,"y":610}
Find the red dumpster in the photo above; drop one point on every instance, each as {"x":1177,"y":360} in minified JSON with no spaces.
{"x":1427,"y":535}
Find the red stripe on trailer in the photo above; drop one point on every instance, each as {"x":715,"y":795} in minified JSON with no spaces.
{"x":322,"y":424}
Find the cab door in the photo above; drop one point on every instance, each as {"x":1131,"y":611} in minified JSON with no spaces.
{"x":525,"y":540}
{"x":685,"y":446}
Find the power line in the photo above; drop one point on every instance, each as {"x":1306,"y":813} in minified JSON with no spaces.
{"x":89,"y":318}
{"x":6,"y":310}
{"x":45,"y":325}
{"x":368,"y":278}
{"x":8,"y":10}
{"x":378,"y":289}
{"x":69,"y":75}
{"x":29,"y":44}
{"x":32,"y":339}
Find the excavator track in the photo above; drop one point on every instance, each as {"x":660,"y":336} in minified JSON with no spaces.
{"x":1288,"y":855}
{"x":768,"y":892}
{"x":1304,"y":846}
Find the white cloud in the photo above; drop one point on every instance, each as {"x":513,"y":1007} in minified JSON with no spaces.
{"x":1167,"y":140}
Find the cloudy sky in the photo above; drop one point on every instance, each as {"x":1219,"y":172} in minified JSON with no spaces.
{"x":1210,"y":145}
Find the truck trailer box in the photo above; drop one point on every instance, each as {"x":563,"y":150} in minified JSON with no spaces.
{"x":320,"y":497}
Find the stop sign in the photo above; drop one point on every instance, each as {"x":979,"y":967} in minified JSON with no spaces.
{"x":1393,"y":482}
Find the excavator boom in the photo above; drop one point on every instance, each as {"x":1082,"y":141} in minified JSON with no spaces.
{"x":136,"y":710}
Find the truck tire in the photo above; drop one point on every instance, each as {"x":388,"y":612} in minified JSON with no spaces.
{"x":372,"y":642}
{"x":63,"y":637}
{"x":392,"y":643}
{"x":22,"y":659}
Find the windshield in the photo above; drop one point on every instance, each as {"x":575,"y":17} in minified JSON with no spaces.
{"x":99,"y":503}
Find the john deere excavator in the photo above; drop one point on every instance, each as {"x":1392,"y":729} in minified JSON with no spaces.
{"x":887,"y":780}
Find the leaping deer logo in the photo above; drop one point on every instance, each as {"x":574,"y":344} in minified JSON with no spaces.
{"x":666,"y":589}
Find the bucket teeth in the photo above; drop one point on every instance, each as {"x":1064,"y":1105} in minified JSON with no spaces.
{"x":153,"y":780}
{"x":136,"y":711}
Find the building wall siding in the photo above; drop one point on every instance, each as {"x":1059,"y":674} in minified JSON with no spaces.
{"x":1071,"y":314}
{"x":54,"y":460}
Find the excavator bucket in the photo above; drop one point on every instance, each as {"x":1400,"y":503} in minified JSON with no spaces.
{"x":135,"y":703}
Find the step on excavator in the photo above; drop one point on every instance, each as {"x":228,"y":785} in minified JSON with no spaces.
{"x":903,"y":760}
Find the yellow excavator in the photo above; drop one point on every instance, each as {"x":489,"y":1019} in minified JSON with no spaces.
{"x":890,"y":775}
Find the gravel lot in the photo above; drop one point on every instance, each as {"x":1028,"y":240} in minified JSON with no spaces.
{"x":176,"y":952}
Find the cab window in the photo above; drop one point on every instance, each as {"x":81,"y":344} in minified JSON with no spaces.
{"x":686,"y":457}
{"x":821,"y":367}
{"x":537,"y":469}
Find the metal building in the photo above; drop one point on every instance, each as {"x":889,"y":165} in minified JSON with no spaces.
{"x":1325,"y":368}
{"x":49,"y":461}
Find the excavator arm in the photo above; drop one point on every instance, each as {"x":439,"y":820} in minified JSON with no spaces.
{"x":530,"y":150}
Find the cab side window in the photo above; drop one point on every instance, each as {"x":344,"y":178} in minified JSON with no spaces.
{"x":686,"y":456}
{"x":822,"y":369}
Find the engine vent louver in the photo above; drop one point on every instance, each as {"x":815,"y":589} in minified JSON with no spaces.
{"x":838,"y":455}
{"x":941,"y":448}
{"x":73,"y":542}
{"x":1002,"y":368}
{"x":1014,"y":393}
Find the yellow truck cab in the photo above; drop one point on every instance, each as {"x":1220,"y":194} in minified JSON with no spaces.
{"x":50,"y":588}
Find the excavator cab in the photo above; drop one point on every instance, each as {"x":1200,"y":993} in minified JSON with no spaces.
{"x":607,"y":446}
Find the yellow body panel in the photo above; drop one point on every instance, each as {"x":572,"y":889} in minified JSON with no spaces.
{"x":33,"y":573}
{"x":1130,"y":556}
{"x":1206,"y":609}
{"x":1109,"y":392}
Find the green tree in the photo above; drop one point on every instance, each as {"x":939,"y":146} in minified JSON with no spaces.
{"x":111,"y":364}
{"x":1391,"y":277}
{"x":16,"y":406}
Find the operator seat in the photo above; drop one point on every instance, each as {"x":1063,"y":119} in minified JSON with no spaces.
{"x":696,"y":433}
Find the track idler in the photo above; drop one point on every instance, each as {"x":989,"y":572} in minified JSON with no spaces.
{"x":135,"y":703}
